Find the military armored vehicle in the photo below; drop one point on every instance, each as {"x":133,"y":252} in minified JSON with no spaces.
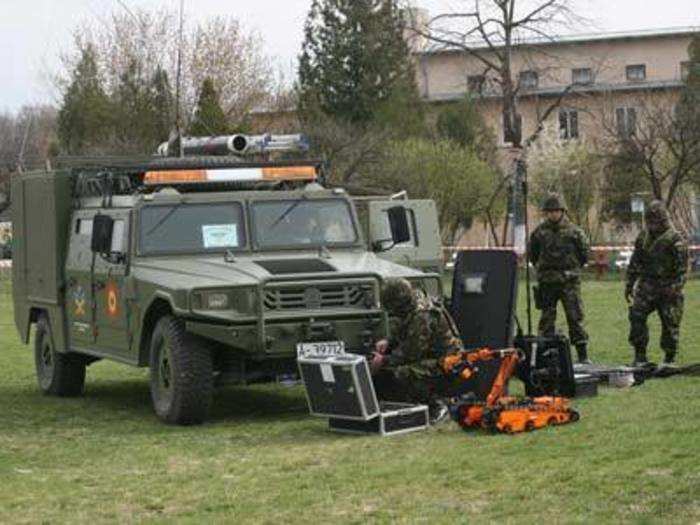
{"x":208,"y":270}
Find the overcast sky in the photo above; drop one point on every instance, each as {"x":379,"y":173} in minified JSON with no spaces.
{"x":32,"y":31}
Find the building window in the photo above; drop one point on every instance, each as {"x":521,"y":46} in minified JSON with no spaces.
{"x":475,"y":83}
{"x":636,"y":73}
{"x":568,"y":124}
{"x":626,"y":122}
{"x":529,"y":79}
{"x":582,"y":76}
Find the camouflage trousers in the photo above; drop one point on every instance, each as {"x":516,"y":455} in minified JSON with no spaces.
{"x":569,"y":294}
{"x":416,"y":383}
{"x":649,"y":297}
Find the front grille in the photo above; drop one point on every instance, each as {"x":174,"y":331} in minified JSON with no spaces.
{"x":318,"y":296}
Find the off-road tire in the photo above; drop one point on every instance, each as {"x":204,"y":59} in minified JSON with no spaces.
{"x":182,"y":375}
{"x":57,"y":374}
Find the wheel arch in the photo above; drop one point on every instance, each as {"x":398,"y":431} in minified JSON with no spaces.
{"x":55,"y":321}
{"x":159,"y":307}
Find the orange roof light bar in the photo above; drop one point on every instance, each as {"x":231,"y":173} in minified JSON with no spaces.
{"x":290,"y":173}
{"x":281,"y":173}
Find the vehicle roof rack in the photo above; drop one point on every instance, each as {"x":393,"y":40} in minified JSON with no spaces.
{"x":96,"y":176}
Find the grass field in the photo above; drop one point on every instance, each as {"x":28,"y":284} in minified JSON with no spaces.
{"x":633,"y":457}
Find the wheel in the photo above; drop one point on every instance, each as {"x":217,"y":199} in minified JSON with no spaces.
{"x":58,"y":374}
{"x":529,"y":426}
{"x":182,"y":374}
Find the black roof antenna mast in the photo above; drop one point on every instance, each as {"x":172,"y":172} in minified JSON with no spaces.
{"x":176,"y":142}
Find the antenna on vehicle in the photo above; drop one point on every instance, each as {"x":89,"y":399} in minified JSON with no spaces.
{"x":178,"y":129}
{"x":20,"y":158}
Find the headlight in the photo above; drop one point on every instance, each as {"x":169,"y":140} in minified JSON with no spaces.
{"x":238,"y":300}
{"x":216,"y":301}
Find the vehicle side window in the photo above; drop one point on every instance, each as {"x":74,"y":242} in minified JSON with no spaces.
{"x":386,"y":229}
{"x":118,"y":239}
{"x":83,"y":227}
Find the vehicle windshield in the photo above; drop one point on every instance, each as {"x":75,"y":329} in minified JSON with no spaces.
{"x":299,"y":223}
{"x":191,"y":228}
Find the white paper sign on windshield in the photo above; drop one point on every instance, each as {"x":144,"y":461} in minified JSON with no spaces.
{"x":220,"y":235}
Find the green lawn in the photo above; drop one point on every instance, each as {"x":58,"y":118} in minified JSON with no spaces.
{"x":634,"y":456}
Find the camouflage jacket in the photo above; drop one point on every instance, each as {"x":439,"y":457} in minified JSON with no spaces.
{"x":558,"y":251}
{"x":661,"y":259}
{"x":423,"y":336}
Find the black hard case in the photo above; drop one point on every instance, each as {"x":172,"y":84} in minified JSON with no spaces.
{"x":394,"y":418}
{"x":339,"y":386}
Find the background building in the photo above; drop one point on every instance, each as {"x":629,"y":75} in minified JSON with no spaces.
{"x":597,"y":79}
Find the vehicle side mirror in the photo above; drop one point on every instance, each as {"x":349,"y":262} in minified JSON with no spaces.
{"x":102,"y":227}
{"x":398,"y":222}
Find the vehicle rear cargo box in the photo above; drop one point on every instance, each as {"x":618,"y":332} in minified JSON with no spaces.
{"x":41,"y":216}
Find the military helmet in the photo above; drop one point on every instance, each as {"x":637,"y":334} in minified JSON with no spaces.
{"x":656,"y":214}
{"x":398,"y":296}
{"x":553,"y":202}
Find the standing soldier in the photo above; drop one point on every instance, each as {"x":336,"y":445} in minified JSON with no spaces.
{"x":655,"y":280}
{"x":559,"y":250}
{"x":406,"y":367}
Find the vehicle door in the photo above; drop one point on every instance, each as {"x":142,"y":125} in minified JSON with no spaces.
{"x":78,"y":296}
{"x":109,"y":284}
{"x":424,"y":250}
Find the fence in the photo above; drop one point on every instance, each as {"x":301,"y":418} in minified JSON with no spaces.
{"x":605,"y":261}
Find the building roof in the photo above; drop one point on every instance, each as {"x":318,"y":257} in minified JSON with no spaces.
{"x":581,"y":38}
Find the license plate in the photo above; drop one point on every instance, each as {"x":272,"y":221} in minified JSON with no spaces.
{"x":325,"y":349}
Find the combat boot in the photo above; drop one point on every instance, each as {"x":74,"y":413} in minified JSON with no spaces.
{"x":640,"y":358}
{"x":670,"y":357}
{"x":582,"y":351}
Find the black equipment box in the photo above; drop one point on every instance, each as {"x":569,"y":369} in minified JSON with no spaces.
{"x":394,"y":418}
{"x":339,"y":386}
{"x":547,"y":369}
{"x":586,"y":385}
{"x":484,"y":295}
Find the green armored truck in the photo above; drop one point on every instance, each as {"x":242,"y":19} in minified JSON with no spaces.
{"x":208,"y":270}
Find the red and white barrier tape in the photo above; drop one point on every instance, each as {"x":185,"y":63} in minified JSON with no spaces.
{"x":511,"y":248}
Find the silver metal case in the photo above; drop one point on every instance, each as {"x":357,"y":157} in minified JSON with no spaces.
{"x":339,"y":387}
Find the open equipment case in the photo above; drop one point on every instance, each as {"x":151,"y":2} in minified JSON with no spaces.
{"x":340,"y":388}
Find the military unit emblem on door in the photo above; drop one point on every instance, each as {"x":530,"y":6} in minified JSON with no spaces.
{"x":79,"y":301}
{"x":112,"y":299}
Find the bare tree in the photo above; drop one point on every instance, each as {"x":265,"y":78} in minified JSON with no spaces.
{"x":489,"y":31}
{"x":28,"y":138}
{"x":218,"y":48}
{"x":659,"y":137}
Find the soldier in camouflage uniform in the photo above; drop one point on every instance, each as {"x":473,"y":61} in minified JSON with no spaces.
{"x":406,"y":366}
{"x":655,"y":279}
{"x":559,"y":250}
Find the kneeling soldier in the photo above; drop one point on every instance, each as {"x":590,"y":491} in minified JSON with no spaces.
{"x":559,"y":250}
{"x":655,"y":280}
{"x":406,"y":366}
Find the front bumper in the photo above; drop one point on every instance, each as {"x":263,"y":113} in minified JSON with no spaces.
{"x":278,"y":336}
